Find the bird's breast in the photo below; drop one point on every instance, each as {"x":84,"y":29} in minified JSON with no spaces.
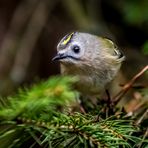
{"x":89,"y":82}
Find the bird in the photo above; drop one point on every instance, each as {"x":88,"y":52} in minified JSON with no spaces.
{"x":94,"y":60}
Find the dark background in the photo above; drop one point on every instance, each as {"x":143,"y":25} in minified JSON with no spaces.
{"x":31,"y":29}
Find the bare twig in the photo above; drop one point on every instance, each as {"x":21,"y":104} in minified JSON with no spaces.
{"x":144,"y":137}
{"x":127,"y":86}
{"x":28,"y":41}
{"x":8,"y":46}
{"x":142,"y":117}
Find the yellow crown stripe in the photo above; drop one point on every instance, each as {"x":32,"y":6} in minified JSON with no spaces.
{"x":68,"y":38}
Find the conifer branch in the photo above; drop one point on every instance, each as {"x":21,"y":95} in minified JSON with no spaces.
{"x":41,"y":113}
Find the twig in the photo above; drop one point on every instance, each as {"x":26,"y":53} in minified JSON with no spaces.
{"x":137,"y":86}
{"x":127,"y":86}
{"x":142,"y":117}
{"x":145,"y":135}
{"x":8,"y":46}
{"x":110,"y":103}
{"x":28,"y":41}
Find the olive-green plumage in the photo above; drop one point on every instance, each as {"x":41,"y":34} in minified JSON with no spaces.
{"x":94,"y":60}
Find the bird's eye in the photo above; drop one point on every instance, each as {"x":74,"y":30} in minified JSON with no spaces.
{"x":76,"y":49}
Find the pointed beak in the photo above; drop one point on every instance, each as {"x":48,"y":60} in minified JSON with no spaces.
{"x":59,"y":56}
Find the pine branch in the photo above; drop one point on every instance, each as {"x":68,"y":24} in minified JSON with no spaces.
{"x":41,"y":114}
{"x":45,"y":97}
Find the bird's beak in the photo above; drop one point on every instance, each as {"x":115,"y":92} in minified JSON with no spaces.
{"x":59,"y":56}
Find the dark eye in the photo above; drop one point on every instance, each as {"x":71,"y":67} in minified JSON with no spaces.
{"x":76,"y":49}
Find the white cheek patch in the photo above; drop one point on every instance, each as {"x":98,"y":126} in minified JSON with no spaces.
{"x":62,"y":51}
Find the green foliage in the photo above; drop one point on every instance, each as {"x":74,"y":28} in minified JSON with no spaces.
{"x":45,"y":97}
{"x":135,"y":12}
{"x":41,"y":117}
{"x":145,"y":48}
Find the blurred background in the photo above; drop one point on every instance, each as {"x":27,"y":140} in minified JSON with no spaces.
{"x":31,"y":29}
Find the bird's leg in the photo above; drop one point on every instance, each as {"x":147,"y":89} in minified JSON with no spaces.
{"x":110,"y":105}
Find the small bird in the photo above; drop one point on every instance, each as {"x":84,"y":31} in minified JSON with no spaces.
{"x":94,"y":60}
